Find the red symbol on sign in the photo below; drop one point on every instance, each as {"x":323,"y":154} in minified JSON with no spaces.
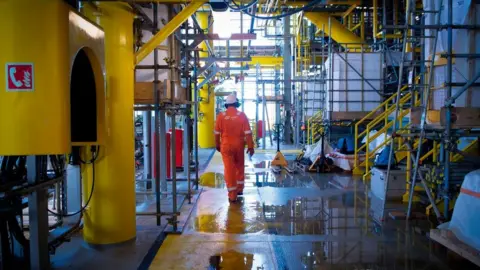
{"x":19,"y":77}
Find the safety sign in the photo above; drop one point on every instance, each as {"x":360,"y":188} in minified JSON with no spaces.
{"x":20,"y":77}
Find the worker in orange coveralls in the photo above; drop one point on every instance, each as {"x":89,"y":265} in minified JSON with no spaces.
{"x":231,"y":131}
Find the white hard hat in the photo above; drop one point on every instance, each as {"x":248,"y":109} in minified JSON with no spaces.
{"x":231,"y":99}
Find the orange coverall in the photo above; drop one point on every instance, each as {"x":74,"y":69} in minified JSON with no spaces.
{"x":232,"y":129}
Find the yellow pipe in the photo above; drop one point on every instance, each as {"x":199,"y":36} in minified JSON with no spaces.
{"x":266,"y":61}
{"x":375,"y":16}
{"x":110,"y":217}
{"x":168,"y":29}
{"x":339,"y":33}
{"x":35,"y":122}
{"x":206,"y":106}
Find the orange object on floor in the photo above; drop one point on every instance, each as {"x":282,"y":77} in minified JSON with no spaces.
{"x":232,"y":129}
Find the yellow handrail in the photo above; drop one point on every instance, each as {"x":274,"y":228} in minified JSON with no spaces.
{"x":377,"y":120}
{"x":312,"y":126}
{"x":381,"y":131}
{"x":386,"y":109}
{"x":384,"y":129}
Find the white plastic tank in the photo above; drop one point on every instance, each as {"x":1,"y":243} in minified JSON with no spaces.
{"x":346,"y":91}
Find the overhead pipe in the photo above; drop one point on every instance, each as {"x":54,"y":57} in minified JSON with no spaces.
{"x":339,"y":32}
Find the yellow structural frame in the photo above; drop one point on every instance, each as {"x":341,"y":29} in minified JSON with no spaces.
{"x":168,"y":29}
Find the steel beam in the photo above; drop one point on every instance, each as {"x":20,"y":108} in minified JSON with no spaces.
{"x":226,"y":59}
{"x":168,"y":29}
{"x":207,"y":65}
{"x":147,"y":149}
{"x":451,"y":100}
{"x":38,"y":218}
{"x":349,"y":10}
{"x":207,"y":78}
{"x":213,"y":36}
{"x":234,"y":68}
{"x":287,"y":84}
{"x":139,"y":10}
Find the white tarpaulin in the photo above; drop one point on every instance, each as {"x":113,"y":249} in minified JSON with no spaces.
{"x":373,"y":144}
{"x":312,"y":151}
{"x":465,"y":219}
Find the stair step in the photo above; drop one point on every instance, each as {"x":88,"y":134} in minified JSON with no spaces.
{"x":426,"y":11}
{"x":419,"y":37}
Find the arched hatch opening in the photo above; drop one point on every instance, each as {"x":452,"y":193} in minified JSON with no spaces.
{"x":83,"y":100}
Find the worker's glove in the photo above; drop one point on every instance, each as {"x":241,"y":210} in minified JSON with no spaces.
{"x":218,"y":148}
{"x":250,"y":151}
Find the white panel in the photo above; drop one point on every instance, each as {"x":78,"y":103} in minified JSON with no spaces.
{"x":347,"y":77}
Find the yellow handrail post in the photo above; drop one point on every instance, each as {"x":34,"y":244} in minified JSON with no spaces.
{"x":409,"y":168}
{"x":385,"y":110}
{"x":355,"y":162}
{"x":367,"y":154}
{"x":386,"y":120}
{"x":375,"y":17}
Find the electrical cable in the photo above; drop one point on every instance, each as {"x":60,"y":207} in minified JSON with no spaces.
{"x":240,"y":8}
{"x":307,"y":6}
{"x":94,"y":157}
{"x":92,"y":161}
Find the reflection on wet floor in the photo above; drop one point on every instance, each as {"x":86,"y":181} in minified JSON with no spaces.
{"x":300,"y":221}
{"x":236,"y":260}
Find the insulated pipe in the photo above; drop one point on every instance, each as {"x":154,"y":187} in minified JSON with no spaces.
{"x":110,"y":217}
{"x":339,"y":33}
{"x":206,"y":108}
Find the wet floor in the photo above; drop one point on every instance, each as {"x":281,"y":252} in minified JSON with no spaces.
{"x":299,"y":221}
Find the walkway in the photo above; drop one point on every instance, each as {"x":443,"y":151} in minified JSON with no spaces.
{"x":311,"y":221}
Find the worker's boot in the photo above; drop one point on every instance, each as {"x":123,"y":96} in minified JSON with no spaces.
{"x":240,"y":185}
{"x":232,"y":196}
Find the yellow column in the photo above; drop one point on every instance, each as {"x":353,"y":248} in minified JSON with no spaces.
{"x":35,"y":117}
{"x":206,"y":106}
{"x":111,"y":216}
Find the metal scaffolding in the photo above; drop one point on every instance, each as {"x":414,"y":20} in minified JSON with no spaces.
{"x":444,"y":134}
{"x":168,"y":109}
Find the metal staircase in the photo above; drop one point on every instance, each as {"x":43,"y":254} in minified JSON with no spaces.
{"x":383,"y":123}
{"x":392,"y":113}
